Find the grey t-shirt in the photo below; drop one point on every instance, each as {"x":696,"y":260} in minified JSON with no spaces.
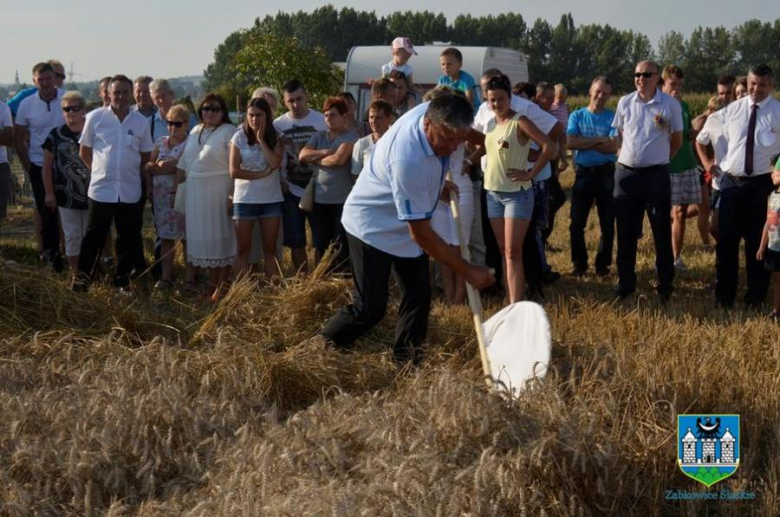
{"x":333,"y":183}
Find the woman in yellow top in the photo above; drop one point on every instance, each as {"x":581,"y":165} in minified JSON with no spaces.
{"x":508,"y":180}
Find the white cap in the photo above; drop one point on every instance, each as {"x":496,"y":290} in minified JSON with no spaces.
{"x":404,"y":43}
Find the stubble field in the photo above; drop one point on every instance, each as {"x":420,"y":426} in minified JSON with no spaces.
{"x":165,"y":405}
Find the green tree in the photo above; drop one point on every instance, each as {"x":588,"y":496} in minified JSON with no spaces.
{"x":222,"y":72}
{"x":537,"y":48}
{"x":271,"y":60}
{"x":756,"y":42}
{"x":671,"y":48}
{"x":422,"y":26}
{"x":564,"y":52}
{"x":709,"y":54}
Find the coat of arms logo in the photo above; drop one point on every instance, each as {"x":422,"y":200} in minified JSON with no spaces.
{"x":708,"y":446}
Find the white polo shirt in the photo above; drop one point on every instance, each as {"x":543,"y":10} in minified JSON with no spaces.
{"x":712,"y":133}
{"x":116,"y":154}
{"x":5,"y":121}
{"x":736,"y":117}
{"x":646,"y":128}
{"x":541,"y":119}
{"x":400,"y":182}
{"x":39,"y":117}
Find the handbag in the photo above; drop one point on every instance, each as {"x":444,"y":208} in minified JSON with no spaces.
{"x":180,"y":200}
{"x":307,"y":199}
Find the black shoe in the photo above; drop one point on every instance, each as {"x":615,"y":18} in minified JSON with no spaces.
{"x":579,"y":272}
{"x":550,"y":277}
{"x":602,"y":271}
{"x":623,"y":293}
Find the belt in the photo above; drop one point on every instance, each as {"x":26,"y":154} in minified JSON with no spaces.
{"x":746,"y":178}
{"x":598,"y":167}
{"x":648,"y":168}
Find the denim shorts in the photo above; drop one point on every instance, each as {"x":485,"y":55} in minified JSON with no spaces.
{"x":510,"y":205}
{"x":255,"y":211}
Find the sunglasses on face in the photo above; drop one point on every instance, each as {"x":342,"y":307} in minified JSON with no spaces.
{"x":214,"y":109}
{"x":646,"y":75}
{"x":176,"y":123}
{"x":68,"y":109}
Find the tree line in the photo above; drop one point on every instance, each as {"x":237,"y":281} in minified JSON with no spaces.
{"x":566,"y":53}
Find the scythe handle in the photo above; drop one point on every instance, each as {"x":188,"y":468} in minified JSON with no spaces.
{"x":475,"y":302}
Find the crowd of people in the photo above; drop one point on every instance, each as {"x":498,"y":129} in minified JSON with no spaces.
{"x":374,"y":187}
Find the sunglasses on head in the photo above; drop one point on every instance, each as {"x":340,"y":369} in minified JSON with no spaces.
{"x":646,"y":75}
{"x":68,"y":109}
{"x":175,"y":123}
{"x":212,"y":108}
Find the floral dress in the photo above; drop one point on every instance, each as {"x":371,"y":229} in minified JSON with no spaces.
{"x":169,"y":222}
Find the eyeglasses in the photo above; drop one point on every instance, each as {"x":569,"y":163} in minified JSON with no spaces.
{"x":68,"y":109}
{"x":646,"y":75}
{"x":215,"y":109}
{"x":177,"y":123}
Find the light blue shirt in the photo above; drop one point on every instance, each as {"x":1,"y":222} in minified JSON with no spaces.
{"x":586,"y":124}
{"x":401,"y":182}
{"x":647,"y":128}
{"x":465,"y":83}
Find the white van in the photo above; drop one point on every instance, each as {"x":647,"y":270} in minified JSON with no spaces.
{"x":365,"y":63}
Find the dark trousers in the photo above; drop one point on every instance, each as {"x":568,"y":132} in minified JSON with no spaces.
{"x":371,"y":270}
{"x":593,"y":184}
{"x":50,"y":232}
{"x":638,"y":190}
{"x":556,"y":198}
{"x":326,"y":229}
{"x":742,"y":216}
{"x":128,"y":219}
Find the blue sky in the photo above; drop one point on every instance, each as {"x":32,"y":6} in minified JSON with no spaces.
{"x":168,"y":38}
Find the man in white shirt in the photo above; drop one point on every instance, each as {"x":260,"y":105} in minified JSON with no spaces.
{"x":115,"y":142}
{"x":296,"y":128}
{"x":38,"y":114}
{"x":387,"y":217}
{"x":532,"y":256}
{"x":751,"y":127}
{"x":650,"y":127}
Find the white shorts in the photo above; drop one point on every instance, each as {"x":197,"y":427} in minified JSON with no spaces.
{"x":74,"y":226}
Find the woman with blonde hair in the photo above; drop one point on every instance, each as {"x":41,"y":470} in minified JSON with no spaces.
{"x":160,"y":174}
{"x":65,"y":177}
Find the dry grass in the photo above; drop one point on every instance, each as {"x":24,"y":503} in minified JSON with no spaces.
{"x":155,"y":406}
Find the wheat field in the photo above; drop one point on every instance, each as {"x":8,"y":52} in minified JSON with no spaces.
{"x":160,"y":405}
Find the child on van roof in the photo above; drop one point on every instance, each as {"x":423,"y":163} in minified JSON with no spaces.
{"x":451,"y":61}
{"x":402,"y":52}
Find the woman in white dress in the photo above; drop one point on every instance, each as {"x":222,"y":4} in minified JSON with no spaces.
{"x":204,"y":166}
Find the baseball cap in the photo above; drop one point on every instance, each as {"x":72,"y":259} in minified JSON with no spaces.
{"x":404,"y":43}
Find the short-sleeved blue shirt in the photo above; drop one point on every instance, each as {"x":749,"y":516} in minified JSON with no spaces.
{"x":591,"y":125}
{"x":465,"y":83}
{"x":401,"y":181}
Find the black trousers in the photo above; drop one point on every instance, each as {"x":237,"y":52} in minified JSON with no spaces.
{"x":742,"y":216}
{"x":50,"y":232}
{"x":326,"y":229}
{"x":371,"y":270}
{"x":638,"y":190}
{"x":593,"y":184}
{"x":556,"y":199}
{"x":128,"y":218}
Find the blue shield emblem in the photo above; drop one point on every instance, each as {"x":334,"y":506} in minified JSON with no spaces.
{"x":708,"y":446}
